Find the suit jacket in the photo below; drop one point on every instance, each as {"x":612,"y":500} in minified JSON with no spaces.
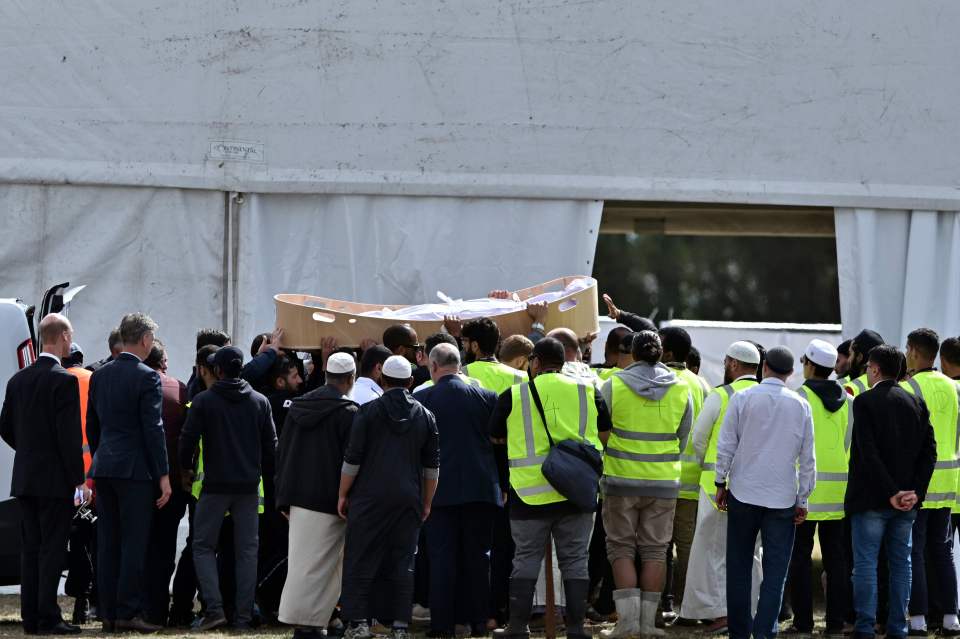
{"x":124,"y":424}
{"x":893,"y":448}
{"x":469,"y":469}
{"x":41,"y":422}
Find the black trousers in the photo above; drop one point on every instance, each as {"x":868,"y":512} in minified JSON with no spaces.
{"x":601,"y":573}
{"x":162,"y":558}
{"x":460,"y":541}
{"x":835,"y":562}
{"x":81,"y":561}
{"x":501,"y":565}
{"x":932,"y":533}
{"x":185,"y":581}
{"x":125,"y":508}
{"x":44,"y":530}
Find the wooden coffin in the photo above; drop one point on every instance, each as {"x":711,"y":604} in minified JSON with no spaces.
{"x":306,"y":319}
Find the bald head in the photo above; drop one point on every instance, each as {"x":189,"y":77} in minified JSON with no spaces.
{"x":571,"y":345}
{"x":444,"y":360}
{"x":56,"y":334}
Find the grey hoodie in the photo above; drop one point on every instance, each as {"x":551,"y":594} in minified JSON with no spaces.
{"x":651,"y":383}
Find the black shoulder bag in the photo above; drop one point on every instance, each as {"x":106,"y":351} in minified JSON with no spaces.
{"x":572,"y":467}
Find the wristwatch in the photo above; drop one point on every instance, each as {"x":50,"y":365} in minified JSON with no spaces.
{"x":539,"y":327}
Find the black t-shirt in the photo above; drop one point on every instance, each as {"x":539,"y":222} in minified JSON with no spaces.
{"x":498,"y":430}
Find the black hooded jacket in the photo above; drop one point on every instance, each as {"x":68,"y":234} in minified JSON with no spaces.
{"x":830,"y":393}
{"x":239,"y":441}
{"x":394,"y":444}
{"x":312,"y":443}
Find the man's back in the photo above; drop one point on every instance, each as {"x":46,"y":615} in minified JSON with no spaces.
{"x":174,"y":413}
{"x":41,"y":421}
{"x":463,"y":413}
{"x":767,"y":429}
{"x":124,"y":423}
{"x":893,"y":448}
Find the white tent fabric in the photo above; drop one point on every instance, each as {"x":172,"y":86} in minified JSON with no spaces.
{"x":899,"y":270}
{"x":159,"y":251}
{"x":402,"y":250}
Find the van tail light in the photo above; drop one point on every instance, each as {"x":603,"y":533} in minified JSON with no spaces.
{"x":25,"y":354}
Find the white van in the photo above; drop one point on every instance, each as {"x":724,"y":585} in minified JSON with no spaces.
{"x":18,"y":349}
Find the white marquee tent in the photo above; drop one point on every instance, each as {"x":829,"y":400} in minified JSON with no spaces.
{"x":191,"y":159}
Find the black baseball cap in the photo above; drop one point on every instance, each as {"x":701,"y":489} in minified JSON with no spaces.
{"x":228,"y":358}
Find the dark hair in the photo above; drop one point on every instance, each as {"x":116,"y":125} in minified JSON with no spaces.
{"x":888,"y":359}
{"x":950,"y":350}
{"x":763,"y":357}
{"x":114,"y":340}
{"x":820,"y":372}
{"x":484,"y":332}
{"x":155,"y":359}
{"x":925,"y":341}
{"x":373,"y":356}
{"x":844,"y":347}
{"x":693,"y":358}
{"x":866,"y":340}
{"x":337,"y":378}
{"x":647,"y":347}
{"x":396,"y":336}
{"x":626,"y":343}
{"x":393,"y":382}
{"x":257,"y":343}
{"x":612,"y":345}
{"x":676,"y":340}
{"x":203,"y":353}
{"x":439,"y":338}
{"x":211,"y":336}
{"x":550,"y":352}
{"x":280,"y":369}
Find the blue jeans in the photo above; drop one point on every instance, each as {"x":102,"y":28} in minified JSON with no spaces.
{"x":893,"y":529}
{"x":776,"y":529}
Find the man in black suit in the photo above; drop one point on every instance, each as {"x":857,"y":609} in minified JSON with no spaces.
{"x":892,"y":457}
{"x":41,"y":422}
{"x":125,"y":432}
{"x":460,"y":528}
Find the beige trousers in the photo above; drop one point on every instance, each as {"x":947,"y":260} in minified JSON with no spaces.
{"x":314,"y":568}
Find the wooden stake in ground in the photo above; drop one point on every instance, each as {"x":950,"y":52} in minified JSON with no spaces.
{"x":550,"y":618}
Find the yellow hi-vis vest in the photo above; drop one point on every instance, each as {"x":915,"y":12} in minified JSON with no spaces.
{"x":643,"y":450}
{"x":856,"y":386}
{"x":494,"y":375}
{"x":832,"y":433}
{"x":956,"y":505}
{"x":571,"y":410}
{"x":197,"y":487}
{"x":939,"y":392}
{"x":607,"y":373}
{"x":709,"y":475}
{"x":689,"y":464}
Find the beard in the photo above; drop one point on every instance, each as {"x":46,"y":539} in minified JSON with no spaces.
{"x":469,"y":357}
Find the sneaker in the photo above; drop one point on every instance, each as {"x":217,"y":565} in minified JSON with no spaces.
{"x":949,"y":632}
{"x":420,"y":613}
{"x":336,"y":628}
{"x":359,"y":631}
{"x":240,"y":628}
{"x":399,"y":633}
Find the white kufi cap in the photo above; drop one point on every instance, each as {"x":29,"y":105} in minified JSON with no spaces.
{"x":821,"y":353}
{"x":744,"y":352}
{"x":397,"y":367}
{"x":341,"y":363}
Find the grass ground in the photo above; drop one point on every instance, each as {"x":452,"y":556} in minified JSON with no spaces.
{"x":10,"y":626}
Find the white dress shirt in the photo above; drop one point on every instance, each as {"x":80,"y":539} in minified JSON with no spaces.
{"x":765,"y":449}
{"x":51,"y":356}
{"x":365,"y":390}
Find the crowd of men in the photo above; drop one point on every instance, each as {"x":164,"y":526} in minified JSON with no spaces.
{"x":349,"y":490}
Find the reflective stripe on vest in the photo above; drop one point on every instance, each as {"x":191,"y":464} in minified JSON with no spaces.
{"x":709,"y":474}
{"x":857,"y":386}
{"x":494,"y":376}
{"x":689,"y":464}
{"x":196,"y":489}
{"x":831,"y":443}
{"x":939,"y":392}
{"x":570,"y":408}
{"x":643,"y":450}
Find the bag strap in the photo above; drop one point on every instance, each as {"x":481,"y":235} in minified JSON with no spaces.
{"x":539,"y":405}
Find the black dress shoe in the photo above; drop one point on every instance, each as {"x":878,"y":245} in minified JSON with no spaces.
{"x":109,"y":627}
{"x":136,"y":625}
{"x":30,"y":630}
{"x":62,"y":628}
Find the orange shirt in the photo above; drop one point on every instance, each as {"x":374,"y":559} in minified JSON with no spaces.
{"x":83,"y":379}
